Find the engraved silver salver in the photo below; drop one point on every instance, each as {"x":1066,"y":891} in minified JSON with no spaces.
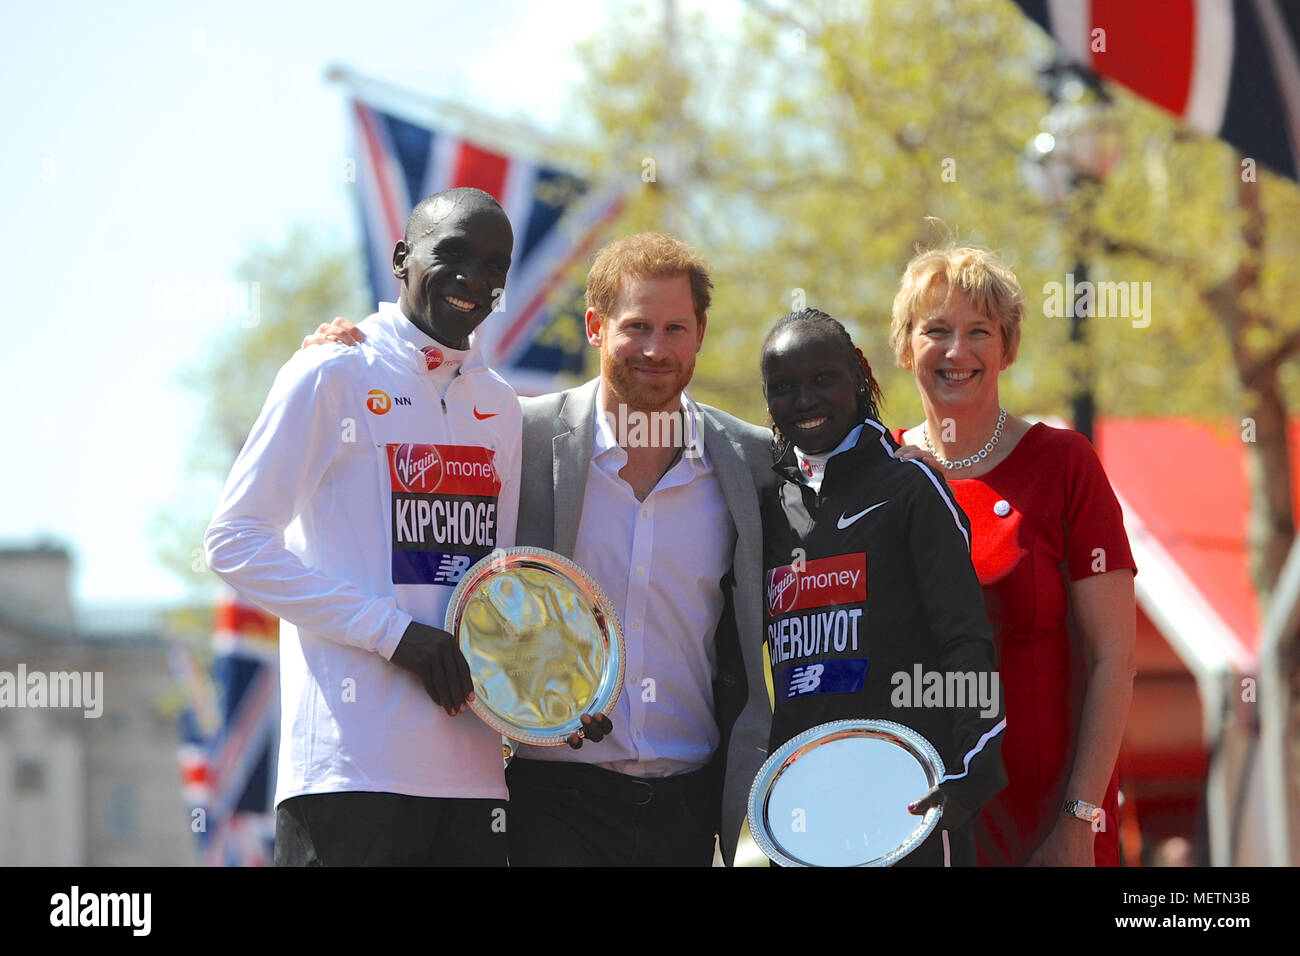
{"x":837,"y":795}
{"x":543,"y":642}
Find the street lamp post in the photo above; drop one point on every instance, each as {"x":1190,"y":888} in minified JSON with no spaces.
{"x":1076,"y":148}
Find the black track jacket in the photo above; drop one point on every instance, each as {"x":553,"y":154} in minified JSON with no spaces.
{"x":870,"y":594}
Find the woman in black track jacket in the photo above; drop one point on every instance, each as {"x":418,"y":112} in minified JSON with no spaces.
{"x":873,"y":608}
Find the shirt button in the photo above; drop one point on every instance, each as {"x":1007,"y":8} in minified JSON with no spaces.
{"x":638,"y":735}
{"x":636,"y":625}
{"x":640,"y":570}
{"x":1002,"y":509}
{"x":645,"y":513}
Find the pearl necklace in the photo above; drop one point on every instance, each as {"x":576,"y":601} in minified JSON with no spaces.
{"x":978,"y":456}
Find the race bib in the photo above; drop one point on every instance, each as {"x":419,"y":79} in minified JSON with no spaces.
{"x":444,"y":510}
{"x":814,"y":621}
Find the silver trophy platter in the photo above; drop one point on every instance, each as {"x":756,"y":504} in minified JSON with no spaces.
{"x":837,"y":795}
{"x":543,"y":642}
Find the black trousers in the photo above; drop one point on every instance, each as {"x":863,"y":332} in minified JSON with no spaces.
{"x":573,"y":814}
{"x":389,"y":829}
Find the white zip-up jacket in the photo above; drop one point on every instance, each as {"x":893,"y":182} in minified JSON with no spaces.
{"x":360,"y":498}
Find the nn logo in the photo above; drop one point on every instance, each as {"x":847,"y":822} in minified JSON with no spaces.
{"x":379,"y":403}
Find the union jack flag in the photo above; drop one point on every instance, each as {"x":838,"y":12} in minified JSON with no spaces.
{"x":1229,"y":68}
{"x":557,"y":217}
{"x":230,"y":736}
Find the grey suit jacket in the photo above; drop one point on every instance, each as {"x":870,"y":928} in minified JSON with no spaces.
{"x":559,"y":438}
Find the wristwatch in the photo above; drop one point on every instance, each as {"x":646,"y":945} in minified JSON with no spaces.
{"x":1081,"y":809}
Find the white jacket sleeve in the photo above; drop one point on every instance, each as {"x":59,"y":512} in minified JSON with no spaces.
{"x":292,"y":446}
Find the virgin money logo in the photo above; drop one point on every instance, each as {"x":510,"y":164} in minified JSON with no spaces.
{"x":782,"y":590}
{"x":432,"y":357}
{"x":823,"y":582}
{"x":418,"y":467}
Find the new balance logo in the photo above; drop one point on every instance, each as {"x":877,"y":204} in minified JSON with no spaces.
{"x":451,"y":568}
{"x":845,"y":520}
{"x":805,"y":679}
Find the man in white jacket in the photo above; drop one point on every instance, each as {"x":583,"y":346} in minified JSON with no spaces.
{"x":373,"y":478}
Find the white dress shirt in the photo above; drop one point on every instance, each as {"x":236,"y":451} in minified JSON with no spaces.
{"x":661,"y":562}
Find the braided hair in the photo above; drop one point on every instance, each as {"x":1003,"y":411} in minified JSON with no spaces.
{"x":817,"y":322}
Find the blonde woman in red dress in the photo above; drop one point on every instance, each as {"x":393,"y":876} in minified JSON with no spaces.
{"x":1049,"y":547}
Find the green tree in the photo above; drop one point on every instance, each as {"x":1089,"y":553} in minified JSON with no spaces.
{"x":805,"y":152}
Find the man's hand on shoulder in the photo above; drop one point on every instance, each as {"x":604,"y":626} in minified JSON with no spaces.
{"x":432,"y":655}
{"x":340,"y":330}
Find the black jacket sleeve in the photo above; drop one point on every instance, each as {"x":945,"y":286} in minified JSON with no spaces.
{"x":939,"y":546}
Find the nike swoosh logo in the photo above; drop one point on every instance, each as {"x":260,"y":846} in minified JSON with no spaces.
{"x":845,"y":520}
{"x":480,"y":416}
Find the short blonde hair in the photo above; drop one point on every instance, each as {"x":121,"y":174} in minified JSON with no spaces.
{"x":651,"y":255}
{"x":984,"y":280}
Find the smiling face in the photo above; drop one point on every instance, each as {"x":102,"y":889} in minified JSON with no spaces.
{"x":811,"y":389}
{"x":649,"y":343}
{"x":453,"y":267}
{"x":957,"y":354}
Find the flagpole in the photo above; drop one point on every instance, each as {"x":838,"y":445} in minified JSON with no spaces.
{"x":487,"y":130}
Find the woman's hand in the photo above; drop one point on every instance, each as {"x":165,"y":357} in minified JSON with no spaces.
{"x":1069,"y":844}
{"x":340,"y":330}
{"x":954,"y":814}
{"x":905,"y":453}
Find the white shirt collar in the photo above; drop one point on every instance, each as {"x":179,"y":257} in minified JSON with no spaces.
{"x":424,"y":350}
{"x":811,"y":467}
{"x":607,"y":431}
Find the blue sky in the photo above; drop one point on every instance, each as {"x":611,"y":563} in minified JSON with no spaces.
{"x":149,"y":145}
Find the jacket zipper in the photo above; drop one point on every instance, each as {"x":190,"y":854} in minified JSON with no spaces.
{"x":442,"y":399}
